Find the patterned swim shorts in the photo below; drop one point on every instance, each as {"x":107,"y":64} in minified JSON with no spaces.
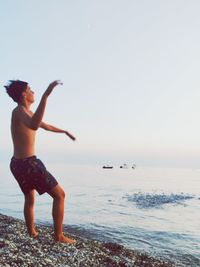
{"x":31,"y":173}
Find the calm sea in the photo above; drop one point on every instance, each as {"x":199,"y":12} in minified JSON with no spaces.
{"x":156,"y":211}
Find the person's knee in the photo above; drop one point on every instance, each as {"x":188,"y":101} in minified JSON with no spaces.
{"x":57,"y":193}
{"x":62,"y":194}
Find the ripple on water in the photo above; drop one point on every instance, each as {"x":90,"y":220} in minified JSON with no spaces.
{"x":147,"y":200}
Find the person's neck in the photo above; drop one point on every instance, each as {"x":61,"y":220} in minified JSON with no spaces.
{"x":25,"y":104}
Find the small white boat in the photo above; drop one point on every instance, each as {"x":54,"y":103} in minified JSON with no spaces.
{"x":133,"y":166}
{"x":124,"y":166}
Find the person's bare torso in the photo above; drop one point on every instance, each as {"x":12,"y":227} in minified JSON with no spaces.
{"x":23,"y":137}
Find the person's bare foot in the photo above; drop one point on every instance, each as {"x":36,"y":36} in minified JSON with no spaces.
{"x":33,"y":234}
{"x":66,"y":240}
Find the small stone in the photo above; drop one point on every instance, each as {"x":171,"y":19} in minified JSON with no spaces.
{"x":48,"y":260}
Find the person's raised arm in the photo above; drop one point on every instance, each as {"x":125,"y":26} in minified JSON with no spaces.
{"x":38,"y":115}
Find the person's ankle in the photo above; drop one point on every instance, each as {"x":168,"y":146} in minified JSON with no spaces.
{"x":31,"y":230}
{"x":58,"y":237}
{"x":33,"y":233}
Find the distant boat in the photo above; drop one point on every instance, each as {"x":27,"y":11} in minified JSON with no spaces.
{"x":124,"y":166}
{"x":107,"y":167}
{"x":134,"y":165}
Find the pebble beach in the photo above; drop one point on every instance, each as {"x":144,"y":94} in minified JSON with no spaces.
{"x":18,"y":249}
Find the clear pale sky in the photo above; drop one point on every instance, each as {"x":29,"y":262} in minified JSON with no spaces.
{"x":131,"y":78}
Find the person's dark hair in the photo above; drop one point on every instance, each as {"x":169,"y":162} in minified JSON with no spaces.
{"x":15,"y":88}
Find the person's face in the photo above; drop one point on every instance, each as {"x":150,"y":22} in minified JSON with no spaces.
{"x":29,"y":94}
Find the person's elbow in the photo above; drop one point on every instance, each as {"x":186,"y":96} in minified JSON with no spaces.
{"x":34,"y":126}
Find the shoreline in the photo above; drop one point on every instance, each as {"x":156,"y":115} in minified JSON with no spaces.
{"x":18,"y":249}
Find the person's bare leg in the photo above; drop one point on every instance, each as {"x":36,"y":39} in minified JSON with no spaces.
{"x":58,"y":196}
{"x":29,"y":213}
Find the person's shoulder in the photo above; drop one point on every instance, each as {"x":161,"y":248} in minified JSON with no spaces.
{"x":15,"y":110}
{"x":15,"y":114}
{"x":18,"y":111}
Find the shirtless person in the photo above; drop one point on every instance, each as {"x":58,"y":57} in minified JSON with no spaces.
{"x":27,"y":169}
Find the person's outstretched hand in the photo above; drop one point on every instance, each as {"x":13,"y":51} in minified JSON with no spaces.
{"x":70,"y":136}
{"x":51,"y":87}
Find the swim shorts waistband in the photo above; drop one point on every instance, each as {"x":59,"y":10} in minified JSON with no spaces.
{"x":23,"y":159}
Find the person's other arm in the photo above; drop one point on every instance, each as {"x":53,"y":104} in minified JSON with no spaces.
{"x":54,"y":129}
